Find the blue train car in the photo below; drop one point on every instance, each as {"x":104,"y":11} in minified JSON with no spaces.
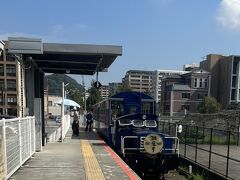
{"x":128,"y":123}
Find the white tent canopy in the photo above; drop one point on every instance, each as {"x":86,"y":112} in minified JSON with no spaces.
{"x":68,"y":102}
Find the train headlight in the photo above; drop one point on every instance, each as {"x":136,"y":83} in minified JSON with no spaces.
{"x":153,"y":144}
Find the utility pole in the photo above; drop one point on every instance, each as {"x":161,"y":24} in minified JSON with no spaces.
{"x":62,"y":110}
{"x":84,"y":99}
{"x":47,"y":100}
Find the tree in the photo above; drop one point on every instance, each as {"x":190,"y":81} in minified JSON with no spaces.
{"x":74,"y":91}
{"x":122,"y":88}
{"x":94,"y":97}
{"x":148,"y":92}
{"x":209,"y":105}
{"x":75,"y":94}
{"x":55,"y":84}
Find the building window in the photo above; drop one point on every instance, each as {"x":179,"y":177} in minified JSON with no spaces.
{"x":1,"y":84}
{"x":235,"y":65}
{"x":233,"y":94}
{"x":200,"y":96}
{"x":200,"y":83}
{"x":11,"y":85}
{"x":184,"y":106}
{"x":195,"y":82}
{"x":167,"y":107}
{"x":10,"y":58}
{"x":145,"y":77}
{"x":135,"y":80}
{"x":1,"y":57}
{"x":1,"y":70}
{"x":50,"y":103}
{"x":12,"y":100}
{"x":239,"y":96}
{"x":135,"y":76}
{"x":11,"y":70}
{"x":12,"y":111}
{"x":185,"y":95}
{"x":205,"y":82}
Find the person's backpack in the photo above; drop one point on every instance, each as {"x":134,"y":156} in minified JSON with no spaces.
{"x":89,"y":118}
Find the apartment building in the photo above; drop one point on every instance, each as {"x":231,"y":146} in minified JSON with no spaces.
{"x":225,"y":71}
{"x":139,"y":81}
{"x":104,"y":91}
{"x":12,"y":95}
{"x":183,"y":93}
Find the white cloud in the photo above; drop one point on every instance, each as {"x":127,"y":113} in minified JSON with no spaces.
{"x":228,"y":14}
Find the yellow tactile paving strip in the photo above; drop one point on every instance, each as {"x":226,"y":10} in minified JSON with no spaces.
{"x":92,"y":168}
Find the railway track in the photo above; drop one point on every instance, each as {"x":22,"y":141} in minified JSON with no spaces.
{"x":173,"y":175}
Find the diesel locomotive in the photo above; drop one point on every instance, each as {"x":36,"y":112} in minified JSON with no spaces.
{"x":127,"y":121}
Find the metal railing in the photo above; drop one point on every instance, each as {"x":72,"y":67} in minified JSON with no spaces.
{"x":214,"y":149}
{"x":123,"y":148}
{"x":17,"y":143}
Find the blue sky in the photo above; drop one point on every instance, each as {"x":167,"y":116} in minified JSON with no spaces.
{"x":155,"y":34}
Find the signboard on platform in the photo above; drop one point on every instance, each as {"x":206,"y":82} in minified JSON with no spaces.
{"x":17,"y":45}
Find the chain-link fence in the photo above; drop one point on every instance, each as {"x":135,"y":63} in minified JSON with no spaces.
{"x":17,"y":143}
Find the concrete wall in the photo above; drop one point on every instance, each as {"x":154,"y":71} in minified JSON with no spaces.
{"x":225,"y":81}
{"x":227,"y":120}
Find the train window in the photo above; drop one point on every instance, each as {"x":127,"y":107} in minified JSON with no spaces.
{"x":138,"y":123}
{"x":117,"y":109}
{"x":124,"y":122}
{"x":150,"y":123}
{"x":146,"y":108}
{"x":132,"y":109}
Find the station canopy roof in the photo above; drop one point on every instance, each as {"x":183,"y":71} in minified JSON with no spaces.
{"x":65,"y":58}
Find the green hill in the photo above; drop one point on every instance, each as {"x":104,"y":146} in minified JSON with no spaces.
{"x":55,"y":84}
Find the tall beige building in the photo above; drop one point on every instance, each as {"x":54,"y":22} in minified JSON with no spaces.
{"x":225,"y":77}
{"x":139,"y":81}
{"x":104,"y":91}
{"x":12,"y":96}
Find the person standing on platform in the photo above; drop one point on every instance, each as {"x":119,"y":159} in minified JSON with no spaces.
{"x":75,"y":125}
{"x":89,"y":121}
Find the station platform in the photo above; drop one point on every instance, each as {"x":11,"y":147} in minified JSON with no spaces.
{"x":83,"y":157}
